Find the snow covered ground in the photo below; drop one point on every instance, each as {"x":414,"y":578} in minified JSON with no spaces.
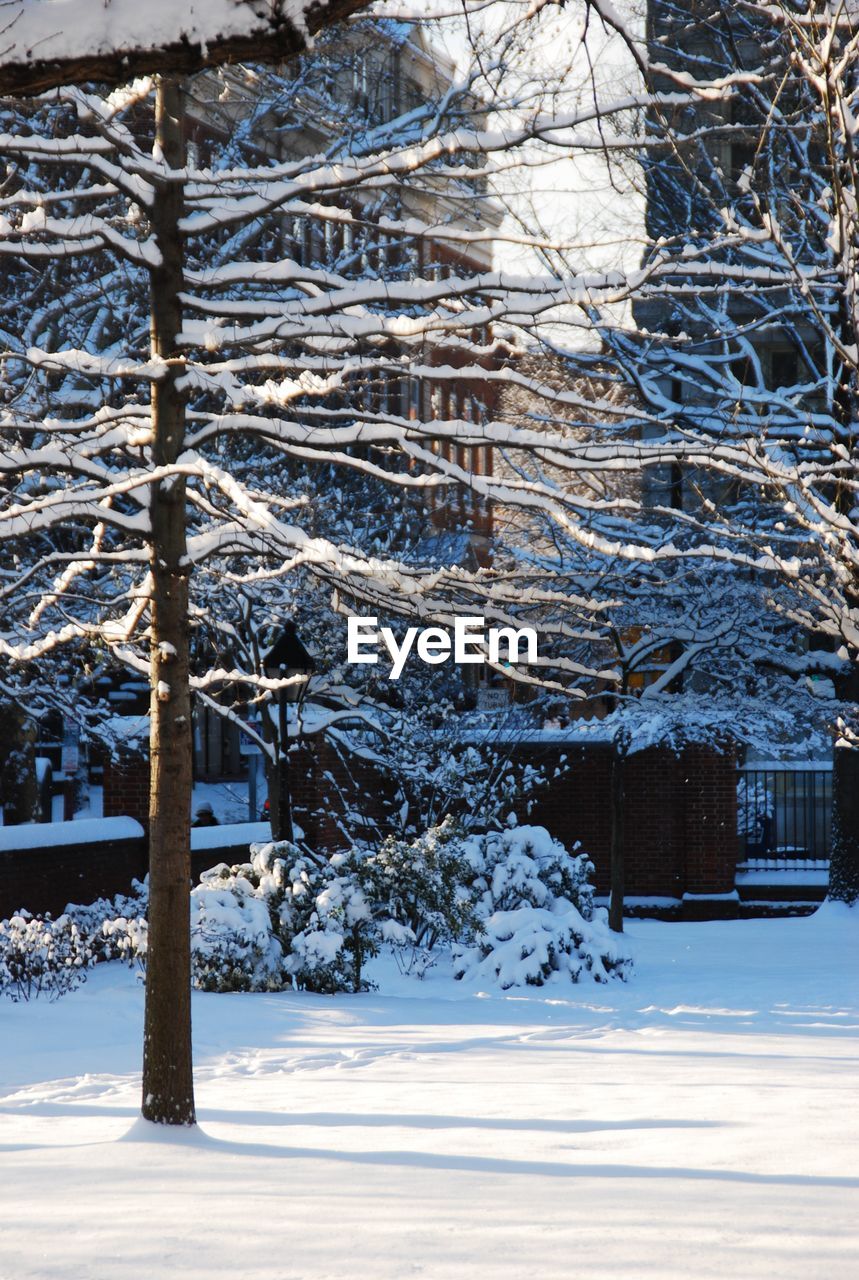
{"x":700,"y":1121}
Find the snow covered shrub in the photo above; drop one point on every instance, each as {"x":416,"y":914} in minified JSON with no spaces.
{"x":115,"y":928}
{"x":425,"y":883}
{"x":515,"y":905}
{"x":126,"y":938}
{"x":282,"y":920}
{"x":531,"y":945}
{"x":243,"y":919}
{"x":409,"y":895}
{"x":41,"y":956}
{"x":536,"y":912}
{"x":424,"y":887}
{"x":340,"y":929}
{"x":234,"y":946}
{"x":526,"y":866}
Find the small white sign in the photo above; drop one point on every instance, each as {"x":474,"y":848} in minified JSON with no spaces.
{"x":247,"y":745}
{"x":493,"y":699}
{"x":70,"y":756}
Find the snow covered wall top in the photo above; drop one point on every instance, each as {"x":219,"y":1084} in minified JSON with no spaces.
{"x":44,"y":43}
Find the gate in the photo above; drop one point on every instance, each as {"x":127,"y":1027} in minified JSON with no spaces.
{"x":784,"y":812}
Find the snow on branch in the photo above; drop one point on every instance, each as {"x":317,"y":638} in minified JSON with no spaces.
{"x":45,"y":43}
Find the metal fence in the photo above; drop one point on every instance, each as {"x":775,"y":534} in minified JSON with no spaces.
{"x":784,"y":812}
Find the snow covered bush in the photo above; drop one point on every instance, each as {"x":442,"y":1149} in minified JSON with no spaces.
{"x":537,"y":918}
{"x":283,"y":919}
{"x":235,"y":941}
{"x":234,"y":946}
{"x":425,"y":885}
{"x":526,"y":866}
{"x":340,"y":928}
{"x":516,"y":907}
{"x":280,"y":920}
{"x":40,"y":956}
{"x":115,"y":928}
{"x":531,"y":945}
{"x":126,"y":938}
{"x":241,"y":924}
{"x":43,"y":956}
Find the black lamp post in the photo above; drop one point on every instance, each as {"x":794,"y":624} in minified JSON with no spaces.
{"x":285,"y":659}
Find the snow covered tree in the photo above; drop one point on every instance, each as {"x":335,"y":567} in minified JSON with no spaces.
{"x":199,"y":330}
{"x":734,"y":339}
{"x":163,"y":327}
{"x":752,"y":373}
{"x":90,"y":41}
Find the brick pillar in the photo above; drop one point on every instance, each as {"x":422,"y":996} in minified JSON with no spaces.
{"x":710,"y":819}
{"x":653,"y":826}
{"x":680,"y":817}
{"x":126,"y":788}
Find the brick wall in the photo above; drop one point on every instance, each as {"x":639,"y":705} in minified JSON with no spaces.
{"x":680,"y":811}
{"x":680,"y":816}
{"x":710,"y":809}
{"x":655,"y":862}
{"x":680,"y":822}
{"x":47,"y":878}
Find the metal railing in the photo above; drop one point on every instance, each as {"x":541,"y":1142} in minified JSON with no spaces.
{"x":784,"y":812}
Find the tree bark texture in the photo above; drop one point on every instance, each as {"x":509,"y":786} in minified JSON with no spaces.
{"x":618,"y":817}
{"x":844,"y":851}
{"x":168,"y":1087}
{"x":844,"y":839}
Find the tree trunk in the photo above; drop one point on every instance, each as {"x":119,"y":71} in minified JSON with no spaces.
{"x":618,"y":802}
{"x":844,"y":853}
{"x":168,"y":1086}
